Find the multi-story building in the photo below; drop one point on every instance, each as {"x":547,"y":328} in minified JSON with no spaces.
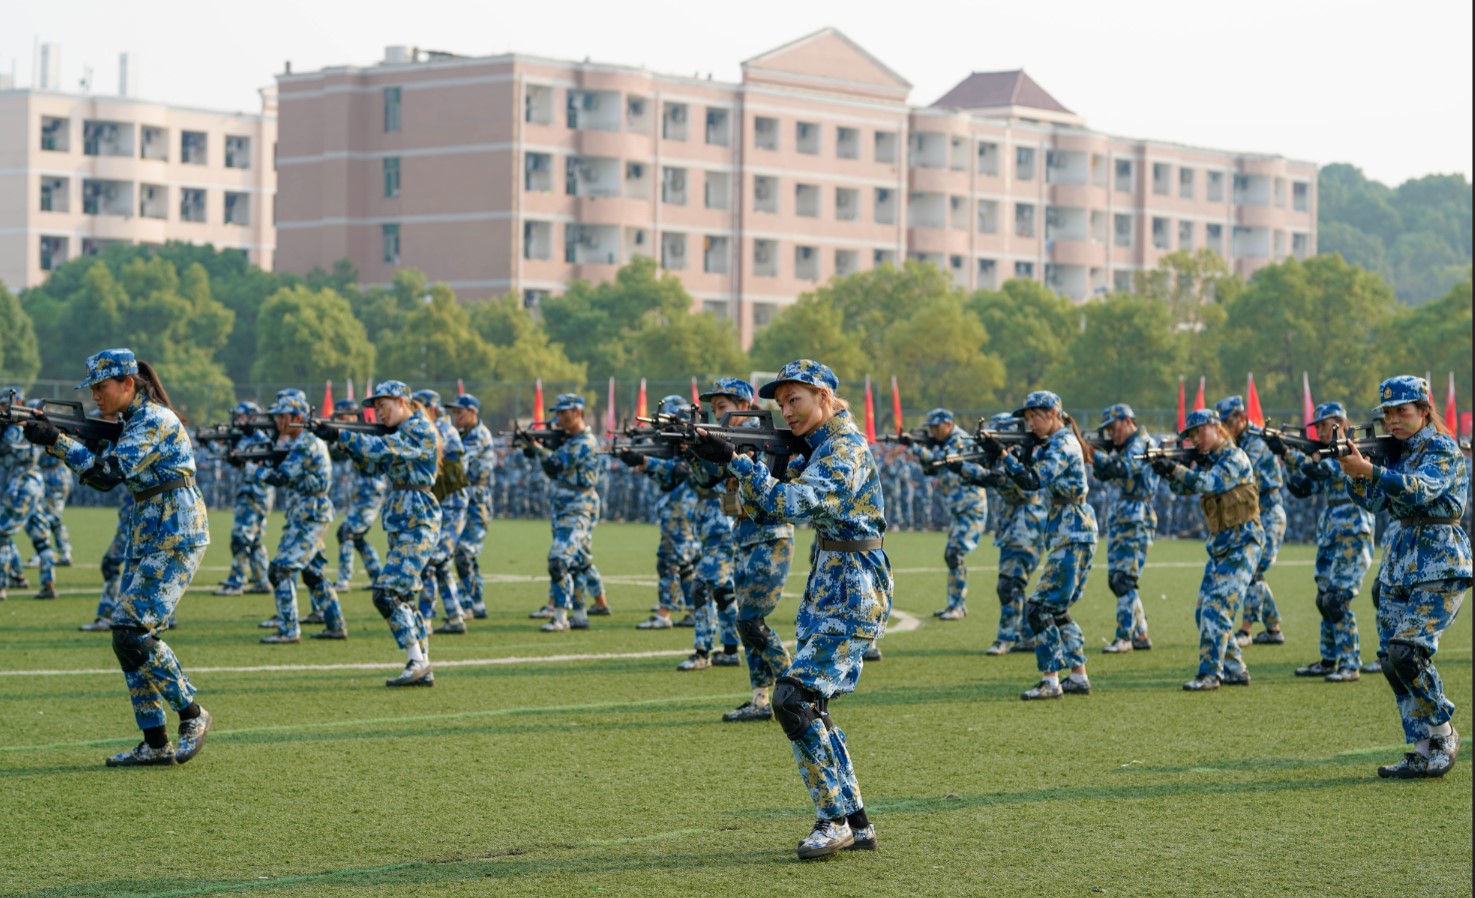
{"x":520,"y":173}
{"x":79,"y":172}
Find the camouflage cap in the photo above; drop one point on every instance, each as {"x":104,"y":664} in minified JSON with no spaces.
{"x":1229,"y":406}
{"x":291,"y":405}
{"x":673,"y":405}
{"x":1196,"y":419}
{"x":388,"y":389}
{"x":1005,"y":422}
{"x":345,"y":406}
{"x":16,"y":393}
{"x":1328,"y":410}
{"x":466,"y":400}
{"x":732,"y":387}
{"x":565,"y":401}
{"x":1118,"y":412}
{"x":109,"y":363}
{"x":802,"y":371}
{"x":427,"y":398}
{"x":246,"y":407}
{"x":938,"y":416}
{"x":1401,"y":390}
{"x":1039,"y":399}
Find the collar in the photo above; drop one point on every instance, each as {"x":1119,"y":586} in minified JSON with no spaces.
{"x":821,"y":434}
{"x":1417,"y":441}
{"x":138,"y":400}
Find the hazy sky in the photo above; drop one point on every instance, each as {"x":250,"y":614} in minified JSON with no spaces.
{"x":1384,"y":86}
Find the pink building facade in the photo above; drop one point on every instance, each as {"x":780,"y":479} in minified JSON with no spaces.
{"x":515,"y":173}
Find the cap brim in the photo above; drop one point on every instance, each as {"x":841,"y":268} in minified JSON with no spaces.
{"x":768,"y":390}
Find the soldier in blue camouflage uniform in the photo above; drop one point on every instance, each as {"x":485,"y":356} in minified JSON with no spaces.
{"x":713,"y":597}
{"x":573,"y":470}
{"x":481,"y":462}
{"x":58,"y":489}
{"x":38,"y":525}
{"x":1225,"y":479}
{"x":408,"y":458}
{"x":21,"y":498}
{"x":440,"y":576}
{"x":676,"y":512}
{"x":1426,"y":566}
{"x":367,"y":494}
{"x":305,"y":476}
{"x":1259,"y":602}
{"x":1131,"y":521}
{"x":253,"y":503}
{"x":1056,"y":465}
{"x":1344,"y":548}
{"x":847,"y":599}
{"x":1019,"y":535}
{"x":112,"y":570}
{"x":965,"y":498}
{"x":154,"y":460}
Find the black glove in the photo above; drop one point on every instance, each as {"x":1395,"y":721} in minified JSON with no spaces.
{"x":1317,"y":472}
{"x":528,"y":449}
{"x":235,"y":461}
{"x":633,"y":459}
{"x":1275,"y":444}
{"x":326,"y":431}
{"x":41,"y":432}
{"x":955,"y":466}
{"x":714,"y":449}
{"x":1300,"y":487}
{"x":275,"y":477}
{"x":1164,"y":466}
{"x":992,"y":446}
{"x":905,"y":438}
{"x":105,"y":473}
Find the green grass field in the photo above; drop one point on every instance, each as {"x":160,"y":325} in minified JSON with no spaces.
{"x":525,"y":774}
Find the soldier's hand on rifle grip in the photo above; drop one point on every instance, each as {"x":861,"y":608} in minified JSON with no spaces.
{"x":905,"y":439}
{"x":711,"y":448}
{"x":1275,"y":444}
{"x":326,"y":431}
{"x":1165,"y":467}
{"x":955,"y":466}
{"x":41,"y":432}
{"x":993,"y":447}
{"x":633,"y":459}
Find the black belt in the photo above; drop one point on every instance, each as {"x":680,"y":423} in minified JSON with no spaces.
{"x":182,"y":483}
{"x":570,"y":488}
{"x":1337,"y":503}
{"x":849,"y":545}
{"x":1429,"y":522}
{"x":1057,"y":502}
{"x":413,"y":489}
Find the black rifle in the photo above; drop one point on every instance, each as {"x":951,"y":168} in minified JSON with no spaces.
{"x":541,"y":433}
{"x":262,"y":454}
{"x":358,"y":426}
{"x":1010,"y":438}
{"x":918,"y":435}
{"x":1183,"y":455}
{"x":778,"y":443}
{"x":1305,"y":445}
{"x":643,"y":442}
{"x":1375,"y":448}
{"x":236,"y":430}
{"x":67,"y":416}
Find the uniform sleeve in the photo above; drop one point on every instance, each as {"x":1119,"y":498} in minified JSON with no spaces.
{"x":72,"y":453}
{"x":1437,"y":471}
{"x":1218,"y":479}
{"x":374,"y":449}
{"x":817,"y":493}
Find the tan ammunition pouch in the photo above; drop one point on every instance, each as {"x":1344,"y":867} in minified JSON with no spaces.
{"x":1237,"y":506}
{"x":732,"y":504}
{"x":450,"y":478}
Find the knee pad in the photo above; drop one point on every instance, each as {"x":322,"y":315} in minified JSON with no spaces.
{"x":688,"y":570}
{"x":111,"y":567}
{"x":344,"y":534}
{"x":954,"y":557}
{"x":725,"y":597}
{"x":1121,"y":583}
{"x":1062,"y":618}
{"x":1040,"y":617}
{"x":1332,"y":603}
{"x":465,"y":564}
{"x":667,"y":567}
{"x":383,"y":602}
{"x":753,"y":633}
{"x":794,"y":706}
{"x":701,"y":594}
{"x":239,"y":544}
{"x":1391,"y":676}
{"x":1407,"y":660}
{"x":277,"y":573}
{"x":312,"y":578}
{"x":1259,"y":577}
{"x":1377,"y":594}
{"x":1011,"y":590}
{"x":557,"y":569}
{"x":132,"y":645}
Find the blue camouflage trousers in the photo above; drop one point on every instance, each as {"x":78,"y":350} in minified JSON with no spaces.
{"x":469,"y":545}
{"x":151,"y":589}
{"x":676,"y":557}
{"x":571,"y":556}
{"x":962,"y":538}
{"x":1058,"y":645}
{"x":713,"y":589}
{"x":353,"y":536}
{"x":248,"y":542}
{"x":1416,"y":617}
{"x":828,"y":665}
{"x":301,"y":551}
{"x":58,"y":490}
{"x":1342,"y":560}
{"x":38,"y":528}
{"x":439,"y":575}
{"x":1016,"y":564}
{"x":409,"y":550}
{"x":1259,"y":602}
{"x":759,"y":580}
{"x":1220,"y":592}
{"x":1126,"y":555}
{"x":112,"y":572}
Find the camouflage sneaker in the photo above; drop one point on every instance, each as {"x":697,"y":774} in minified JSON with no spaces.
{"x":1269,"y":637}
{"x":192,"y":736}
{"x":453,"y":626}
{"x":228,"y":590}
{"x":748,"y":711}
{"x":827,"y":839}
{"x":872,"y":653}
{"x":1000,"y":647}
{"x":1243,"y":639}
{"x":19,"y":583}
{"x":1240,"y":679}
{"x":1117,"y":647}
{"x":600,"y":611}
{"x":1413,"y":766}
{"x":259,"y":589}
{"x":955,"y":613}
{"x":1044,"y":689}
{"x":1023,"y":645}
{"x":1075,"y":687}
{"x":541,"y":613}
{"x":1373,"y":667}
{"x":1202,"y":683}
{"x":555,"y":626}
{"x":343,"y":586}
{"x":1319,"y":668}
{"x":101,"y":625}
{"x":865,"y":838}
{"x":340,"y":633}
{"x":1345,"y":675}
{"x":687,"y":620}
{"x":315,"y":618}
{"x":1443,"y":752}
{"x":274,"y":623}
{"x":47,"y":592}
{"x":656,"y":622}
{"x":940,"y":612}
{"x":281,"y":639}
{"x":479,"y":612}
{"x":416,"y":673}
{"x":64,"y":562}
{"x":1141,"y":644}
{"x":726,"y":659}
{"x":697,"y":661}
{"x":141,"y":755}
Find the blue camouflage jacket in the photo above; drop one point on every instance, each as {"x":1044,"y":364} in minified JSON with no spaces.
{"x":1341,"y":517}
{"x":408,"y":458}
{"x":1059,"y":466}
{"x":1227,"y":467}
{"x":1268,"y":476}
{"x":1135,"y":479}
{"x":309,"y":472}
{"x":1021,"y":520}
{"x":573,"y":469}
{"x":1431,"y":479}
{"x":481,"y":456}
{"x":962,"y":494}
{"x":152,"y":450}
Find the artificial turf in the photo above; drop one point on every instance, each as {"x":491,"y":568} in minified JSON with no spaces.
{"x":613,"y":775}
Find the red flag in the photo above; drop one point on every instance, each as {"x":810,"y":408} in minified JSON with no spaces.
{"x":871,"y":413}
{"x":609,"y":412}
{"x":1467,"y":423}
{"x":350,"y":397}
{"x":1451,"y":411}
{"x":640,"y":408}
{"x":369,"y":410}
{"x":696,"y":393}
{"x":1308,"y":408}
{"x":896,"y":406}
{"x":460,"y":387}
{"x":1198,"y":399}
{"x":328,"y":400}
{"x":538,"y":401}
{"x":1252,"y":404}
{"x":1429,"y":386}
{"x":1182,"y":411}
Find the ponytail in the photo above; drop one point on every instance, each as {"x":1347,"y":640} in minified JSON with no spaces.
{"x":1085,"y":446}
{"x":416,"y":405}
{"x":147,"y":382}
{"x":1440,"y":425}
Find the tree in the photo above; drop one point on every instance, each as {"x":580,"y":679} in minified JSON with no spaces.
{"x":596,"y":322}
{"x":306,"y":336}
{"x":1127,"y":351}
{"x":681,"y":345}
{"x":20,"y":359}
{"x":811,"y":328}
{"x":1028,"y":327}
{"x":523,"y":351}
{"x":1435,"y":338}
{"x":435,"y":344}
{"x":934,"y":353}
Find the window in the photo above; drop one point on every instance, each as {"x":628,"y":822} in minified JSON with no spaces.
{"x":1300,"y":196}
{"x":637,"y":187}
{"x":1024,"y":270}
{"x":988,"y":216}
{"x":673,"y":251}
{"x":847,"y":143}
{"x":537,"y":105}
{"x":988,"y":158}
{"x":1215,"y":191}
{"x":237,"y":208}
{"x":714,"y":255}
{"x":881,"y":257}
{"x":153,"y":201}
{"x":1300,"y":245}
{"x":765,"y":194}
{"x":958,"y":154}
{"x":1160,"y":233}
{"x":806,"y":263}
{"x":717,"y":192}
{"x":719,"y":127}
{"x":806,"y":200}
{"x":1121,"y":226}
{"x":237,"y":152}
{"x":1121,"y":281}
{"x":389,"y":237}
{"x":673,"y":121}
{"x":673,"y":186}
{"x":1124,"y":176}
{"x":537,"y":240}
{"x":391,"y":175}
{"x":55,"y":138}
{"x":958,"y":212}
{"x":155,"y":144}
{"x":55,"y":194}
{"x":847,"y":204}
{"x":806,"y":138}
{"x":391,"y":123}
{"x":765,"y":133}
{"x":847,"y":261}
{"x":53,"y":252}
{"x":885,"y":146}
{"x":1186,"y":178}
{"x":1024,"y":219}
{"x":531,"y":299}
{"x":1214,"y":238}
{"x":988,"y":274}
{"x":537,"y":174}
{"x":1162,"y":174}
{"x":1280,"y":195}
{"x":1185,"y":235}
{"x":885,"y":206}
{"x":191,"y":204}
{"x":1024,"y":163}
{"x":765,"y":258}
{"x":193,"y":146}
{"x":635,"y":114}
{"x":101,"y":138}
{"x":763,"y":313}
